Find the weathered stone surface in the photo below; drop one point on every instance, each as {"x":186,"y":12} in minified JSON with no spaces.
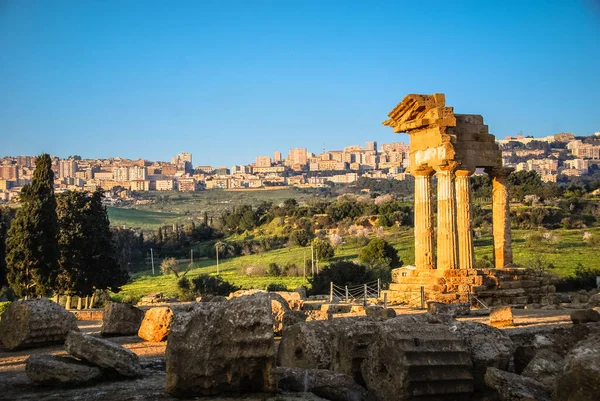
{"x":594,"y":301}
{"x":103,"y":353}
{"x":222,"y":347}
{"x":279,"y":307}
{"x":580,"y":378}
{"x":585,"y":316}
{"x":559,"y":339}
{"x":308,"y":345}
{"x":455,"y":309}
{"x":121,"y":319}
{"x":156,"y":324}
{"x":323,"y":383}
{"x":410,"y":360}
{"x":302,"y":292}
{"x":502,"y":317}
{"x":512,"y":387}
{"x":211,"y":298}
{"x":291,"y":318}
{"x":60,"y":371}
{"x":544,"y":367}
{"x":34,"y":323}
{"x":318,"y":315}
{"x":379,"y":312}
{"x":488,"y":347}
{"x":349,"y":346}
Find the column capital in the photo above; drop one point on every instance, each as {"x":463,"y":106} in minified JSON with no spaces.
{"x":450,"y":167}
{"x":422,"y":170}
{"x":499,"y":172}
{"x":464,"y":172}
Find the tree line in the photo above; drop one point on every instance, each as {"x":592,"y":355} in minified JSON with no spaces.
{"x":57,"y":244}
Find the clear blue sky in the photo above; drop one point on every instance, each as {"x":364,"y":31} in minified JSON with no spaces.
{"x":230,"y":80}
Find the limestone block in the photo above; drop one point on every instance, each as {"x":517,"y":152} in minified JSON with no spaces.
{"x":453,"y":310}
{"x":323,"y":383}
{"x":488,"y":347}
{"x":407,"y":360}
{"x":580,"y":377}
{"x":379,"y":312}
{"x":156,"y":324}
{"x":57,"y":370}
{"x":103,"y":353}
{"x":121,"y":319}
{"x":35,"y":323}
{"x":544,"y":367}
{"x":222,"y":347}
{"x":585,"y":316}
{"x":512,"y":387}
{"x":502,"y":317}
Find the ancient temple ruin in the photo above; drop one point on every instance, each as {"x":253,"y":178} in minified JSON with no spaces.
{"x":450,"y":147}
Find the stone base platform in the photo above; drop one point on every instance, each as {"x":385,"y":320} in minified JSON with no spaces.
{"x":493,"y":287}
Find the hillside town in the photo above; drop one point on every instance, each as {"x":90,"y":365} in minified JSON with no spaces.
{"x":555,"y":158}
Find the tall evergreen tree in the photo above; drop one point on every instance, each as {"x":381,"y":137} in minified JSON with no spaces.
{"x":6,"y":216}
{"x":106,"y":273}
{"x":32,"y":246}
{"x":74,"y":238}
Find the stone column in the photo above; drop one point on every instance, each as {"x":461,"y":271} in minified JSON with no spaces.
{"x":501,"y":217}
{"x":463,"y":219}
{"x":424,"y":245}
{"x":446,"y":217}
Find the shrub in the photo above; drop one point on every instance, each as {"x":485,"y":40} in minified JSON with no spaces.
{"x":379,"y":254}
{"x":291,"y":270}
{"x":323,"y":249}
{"x":210,"y":285}
{"x":335,"y":240}
{"x":254,"y":270}
{"x":341,"y":273}
{"x":301,"y":237}
{"x":584,"y":279}
{"x":130,"y":299}
{"x":4,"y":306}
{"x":185,"y":290}
{"x":276,"y":287}
{"x":274,"y":270}
{"x":168,"y":266}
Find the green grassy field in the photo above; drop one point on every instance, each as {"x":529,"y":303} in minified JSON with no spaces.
{"x":145,"y":219}
{"x":568,"y":251}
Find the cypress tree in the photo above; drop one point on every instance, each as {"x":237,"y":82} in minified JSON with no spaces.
{"x":106,"y":272}
{"x":74,"y":238}
{"x":6,"y":215}
{"x":32,"y":246}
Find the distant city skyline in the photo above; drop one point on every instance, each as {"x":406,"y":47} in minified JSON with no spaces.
{"x":227,"y":81}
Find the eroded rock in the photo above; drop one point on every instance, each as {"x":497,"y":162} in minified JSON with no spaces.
{"x":121,"y":319}
{"x":410,"y":359}
{"x":323,"y":383}
{"x":103,"y":353}
{"x":56,"y":370}
{"x":454,"y":310}
{"x":35,"y":323}
{"x":544,"y":367}
{"x":585,"y":316}
{"x":379,"y":312}
{"x":488,"y":347}
{"x":512,"y":387}
{"x":580,"y":377}
{"x":502,"y":317}
{"x":156,"y":324}
{"x":222,"y":347}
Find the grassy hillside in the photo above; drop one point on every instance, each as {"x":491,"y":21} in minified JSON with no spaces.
{"x":565,"y":251}
{"x":134,"y":218}
{"x":169,"y":207}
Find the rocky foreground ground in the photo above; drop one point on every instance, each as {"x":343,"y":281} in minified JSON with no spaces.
{"x":15,"y":385}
